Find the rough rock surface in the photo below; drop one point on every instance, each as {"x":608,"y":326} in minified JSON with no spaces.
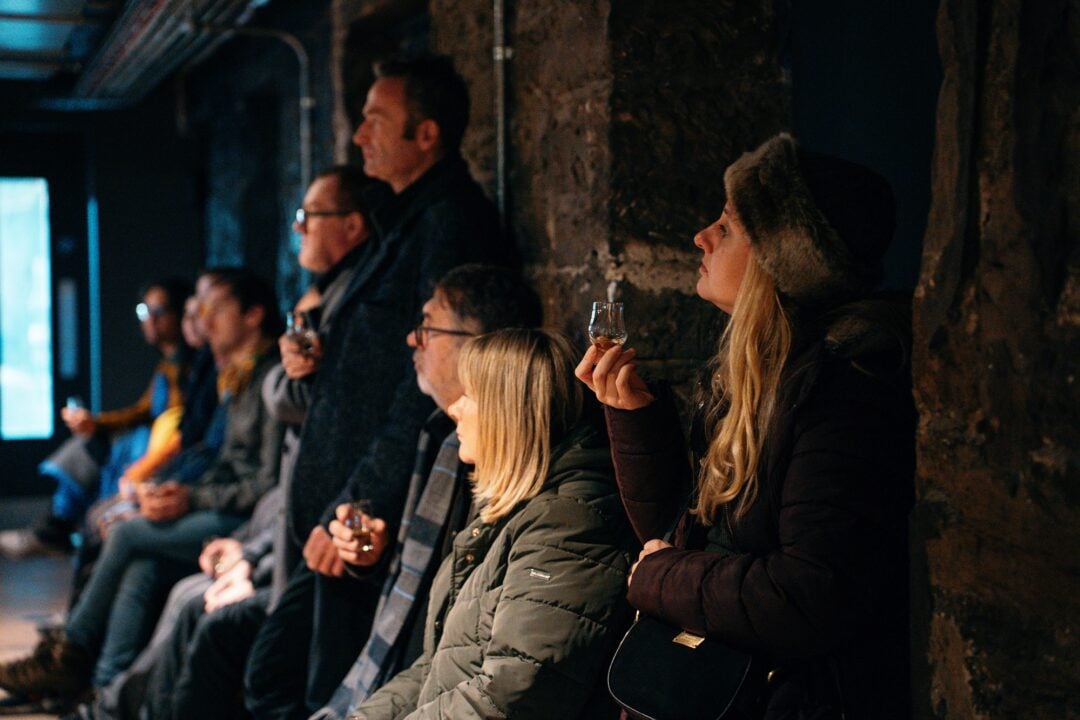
{"x":997,"y":319}
{"x":619,"y":138}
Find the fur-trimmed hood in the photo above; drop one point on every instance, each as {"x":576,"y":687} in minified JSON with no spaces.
{"x":819,"y":225}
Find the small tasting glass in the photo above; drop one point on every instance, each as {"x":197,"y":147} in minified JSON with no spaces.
{"x":606,"y":327}
{"x":298,"y":329}
{"x":358,"y":520}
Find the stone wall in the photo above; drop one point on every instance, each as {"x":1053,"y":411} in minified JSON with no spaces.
{"x":623,"y":116}
{"x":242,"y":106}
{"x":997,"y":317}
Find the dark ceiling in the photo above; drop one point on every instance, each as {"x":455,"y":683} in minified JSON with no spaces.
{"x":90,"y":54}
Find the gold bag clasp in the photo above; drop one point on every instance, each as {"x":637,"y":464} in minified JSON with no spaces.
{"x":689,"y":640}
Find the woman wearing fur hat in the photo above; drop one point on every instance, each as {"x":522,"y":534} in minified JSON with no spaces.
{"x":794,"y":546}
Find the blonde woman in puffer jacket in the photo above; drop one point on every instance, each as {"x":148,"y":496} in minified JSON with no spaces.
{"x":526,"y":610}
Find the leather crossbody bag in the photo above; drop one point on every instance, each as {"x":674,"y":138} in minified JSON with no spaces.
{"x":661,"y":672}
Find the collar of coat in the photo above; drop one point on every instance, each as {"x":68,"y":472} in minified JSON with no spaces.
{"x":580,"y":466}
{"x":234,"y":377}
{"x":390,"y":212}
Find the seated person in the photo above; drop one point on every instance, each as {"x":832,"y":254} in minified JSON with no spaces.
{"x":234,"y":570}
{"x":174,"y":430}
{"x":468,"y":300}
{"x":177,"y":513}
{"x":200,"y":394}
{"x":525,"y":611}
{"x":88,"y":466}
{"x":200,"y":671}
{"x":235,"y":573}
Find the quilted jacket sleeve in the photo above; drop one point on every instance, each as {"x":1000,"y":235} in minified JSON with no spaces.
{"x":397,"y":697}
{"x":555,"y":621}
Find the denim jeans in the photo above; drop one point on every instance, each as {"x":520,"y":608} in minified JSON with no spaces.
{"x":125,"y":694}
{"x":94,"y":624}
{"x":135,"y":610}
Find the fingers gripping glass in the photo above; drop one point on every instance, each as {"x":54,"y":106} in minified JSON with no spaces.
{"x":302,"y":215}
{"x":606,"y":326}
{"x":301,"y":330}
{"x":422,"y":333}
{"x":358,"y":521}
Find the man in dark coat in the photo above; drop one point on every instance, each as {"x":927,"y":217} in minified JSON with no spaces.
{"x":358,"y":440}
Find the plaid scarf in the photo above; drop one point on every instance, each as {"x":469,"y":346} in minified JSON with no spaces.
{"x":427,"y":508}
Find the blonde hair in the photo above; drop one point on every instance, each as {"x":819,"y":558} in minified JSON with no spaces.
{"x":527,"y":399}
{"x":753,"y":349}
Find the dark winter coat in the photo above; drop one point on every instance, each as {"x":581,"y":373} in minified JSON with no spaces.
{"x":524,"y":613}
{"x":813,"y":579}
{"x":366,"y":411}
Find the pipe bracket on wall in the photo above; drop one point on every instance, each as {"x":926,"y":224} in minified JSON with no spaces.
{"x":501,"y":52}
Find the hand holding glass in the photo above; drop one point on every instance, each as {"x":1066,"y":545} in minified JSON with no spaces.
{"x":606,"y":327}
{"x":359,"y":521}
{"x":298,"y":329}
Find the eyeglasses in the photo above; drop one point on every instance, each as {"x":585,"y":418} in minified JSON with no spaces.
{"x":422,"y":333}
{"x":144,"y":312}
{"x":303,"y":215}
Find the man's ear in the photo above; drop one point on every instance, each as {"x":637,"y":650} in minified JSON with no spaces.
{"x":253,"y":318}
{"x":356,"y":225}
{"x":428,"y":135}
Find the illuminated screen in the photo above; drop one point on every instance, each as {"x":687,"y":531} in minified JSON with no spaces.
{"x":26,"y":386}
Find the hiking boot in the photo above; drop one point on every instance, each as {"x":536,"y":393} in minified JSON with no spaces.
{"x":70,"y":709}
{"x":51,"y":536}
{"x":23,"y":544}
{"x":57,"y":668}
{"x":79,"y":711}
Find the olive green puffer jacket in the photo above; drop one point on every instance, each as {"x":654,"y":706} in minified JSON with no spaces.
{"x":525,"y":612}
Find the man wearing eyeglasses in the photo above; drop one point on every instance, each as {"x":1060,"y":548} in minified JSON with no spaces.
{"x":332,"y":227}
{"x":365,"y":411}
{"x":87,"y":466}
{"x":469,"y":300}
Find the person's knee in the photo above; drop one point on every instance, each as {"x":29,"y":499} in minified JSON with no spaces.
{"x":127,"y":532}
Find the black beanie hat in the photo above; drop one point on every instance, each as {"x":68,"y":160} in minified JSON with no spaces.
{"x":819,"y":225}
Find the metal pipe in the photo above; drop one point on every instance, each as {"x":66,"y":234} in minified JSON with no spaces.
{"x":149,"y":40}
{"x":53,"y":61}
{"x":122,"y":38}
{"x":307,"y":102}
{"x":50,"y":19}
{"x":501,"y":53}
